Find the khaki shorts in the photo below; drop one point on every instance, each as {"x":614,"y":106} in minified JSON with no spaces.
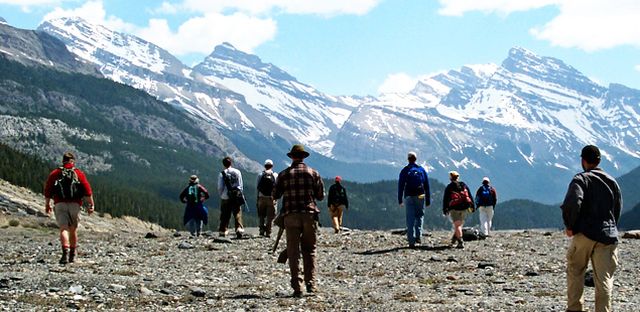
{"x":458,"y":215}
{"x":67,"y":214}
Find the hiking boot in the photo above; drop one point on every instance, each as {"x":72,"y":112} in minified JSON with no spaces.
{"x":72,"y":255}
{"x":224,"y":233}
{"x":460,"y":244}
{"x":412,"y":246}
{"x":65,"y":254}
{"x":454,"y":239}
{"x":297,"y":294}
{"x":418,"y":241}
{"x":238,"y":235}
{"x":311,"y":288}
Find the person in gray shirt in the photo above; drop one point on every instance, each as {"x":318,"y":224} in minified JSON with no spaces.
{"x":590,"y":211}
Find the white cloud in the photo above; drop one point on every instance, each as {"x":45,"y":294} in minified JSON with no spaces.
{"x":253,"y":7}
{"x":196,"y":35}
{"x":244,"y":23}
{"x":93,"y":12}
{"x":637,"y":68}
{"x":593,"y":25}
{"x":398,"y":83}
{"x":202,"y":34}
{"x":460,"y":7}
{"x":26,"y":3}
{"x":589,"y":25}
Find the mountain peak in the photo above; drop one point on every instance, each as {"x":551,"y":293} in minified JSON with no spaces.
{"x":524,"y":62}
{"x":3,"y":21}
{"x":228,"y":52}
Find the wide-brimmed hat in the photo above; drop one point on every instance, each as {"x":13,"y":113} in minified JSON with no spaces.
{"x":454,"y":174}
{"x":486,"y":179}
{"x":297,"y":150}
{"x":268,"y":162}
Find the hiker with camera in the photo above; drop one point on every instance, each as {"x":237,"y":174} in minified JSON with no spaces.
{"x":231,"y":198}
{"x":68,"y":186}
{"x":457,"y":203}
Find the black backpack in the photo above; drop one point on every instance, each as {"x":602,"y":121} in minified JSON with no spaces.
{"x":266,"y":183}
{"x":68,"y":186}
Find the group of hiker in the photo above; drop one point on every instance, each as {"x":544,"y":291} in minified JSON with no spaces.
{"x":457,"y":202}
{"x":590,"y":211}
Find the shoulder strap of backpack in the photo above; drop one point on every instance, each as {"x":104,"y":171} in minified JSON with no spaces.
{"x":227,"y":183}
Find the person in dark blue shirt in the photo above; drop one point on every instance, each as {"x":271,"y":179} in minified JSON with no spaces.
{"x":414,"y":195}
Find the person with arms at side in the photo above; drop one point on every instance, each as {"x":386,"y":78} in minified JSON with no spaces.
{"x":300,"y":186}
{"x":414,"y":194}
{"x":68,"y":186}
{"x":266,"y":205}
{"x":231,"y":198}
{"x":486,"y":199}
{"x":195,"y":212}
{"x":591,"y":212}
{"x":457,"y":202}
{"x":337,"y":203}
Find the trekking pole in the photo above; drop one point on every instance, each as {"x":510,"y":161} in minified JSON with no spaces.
{"x":275,"y":245}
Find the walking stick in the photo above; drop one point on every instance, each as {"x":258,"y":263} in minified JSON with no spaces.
{"x":275,"y":245}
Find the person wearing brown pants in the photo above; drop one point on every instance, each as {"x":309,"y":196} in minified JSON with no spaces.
{"x":266,"y":206}
{"x":591,"y":211}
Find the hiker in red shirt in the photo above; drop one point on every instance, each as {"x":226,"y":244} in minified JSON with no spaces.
{"x":68,"y":186}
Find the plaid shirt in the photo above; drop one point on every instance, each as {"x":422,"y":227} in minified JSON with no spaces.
{"x":299,"y":186}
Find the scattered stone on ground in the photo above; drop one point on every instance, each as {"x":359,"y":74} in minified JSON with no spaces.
{"x":365,"y":270}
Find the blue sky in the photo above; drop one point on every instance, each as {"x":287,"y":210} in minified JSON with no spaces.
{"x":365,"y":47}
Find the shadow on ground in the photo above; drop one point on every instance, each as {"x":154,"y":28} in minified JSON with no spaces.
{"x":390,"y":250}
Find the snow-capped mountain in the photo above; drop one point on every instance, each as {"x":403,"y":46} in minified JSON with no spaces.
{"x":522,"y":122}
{"x":297,"y":109}
{"x":234,"y":89}
{"x":34,"y":47}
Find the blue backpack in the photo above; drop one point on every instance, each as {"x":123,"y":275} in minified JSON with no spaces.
{"x":414,"y":184}
{"x":485,"y":197}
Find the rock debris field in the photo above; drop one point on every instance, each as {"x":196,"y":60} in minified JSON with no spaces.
{"x":357,"y":271}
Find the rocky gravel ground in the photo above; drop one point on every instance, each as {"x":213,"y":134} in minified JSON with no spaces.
{"x":357,"y":271}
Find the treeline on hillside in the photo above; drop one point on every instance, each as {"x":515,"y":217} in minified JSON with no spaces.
{"x":630,"y":220}
{"x":154,"y":197}
{"x":31,"y":172}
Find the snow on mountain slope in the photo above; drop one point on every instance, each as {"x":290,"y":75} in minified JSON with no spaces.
{"x":524,"y":119}
{"x":530,"y":114}
{"x":308,"y":115}
{"x":230,"y":88}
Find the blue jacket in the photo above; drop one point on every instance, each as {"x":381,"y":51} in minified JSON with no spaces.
{"x":592,"y":206}
{"x":402,"y":181}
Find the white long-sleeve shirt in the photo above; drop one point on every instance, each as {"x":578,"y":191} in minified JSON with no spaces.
{"x":235,"y":179}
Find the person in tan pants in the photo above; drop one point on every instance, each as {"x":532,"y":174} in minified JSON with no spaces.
{"x":591,"y":211}
{"x":300,"y":186}
{"x":338,"y":202}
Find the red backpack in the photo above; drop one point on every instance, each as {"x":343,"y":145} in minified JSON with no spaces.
{"x":460,"y":197}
